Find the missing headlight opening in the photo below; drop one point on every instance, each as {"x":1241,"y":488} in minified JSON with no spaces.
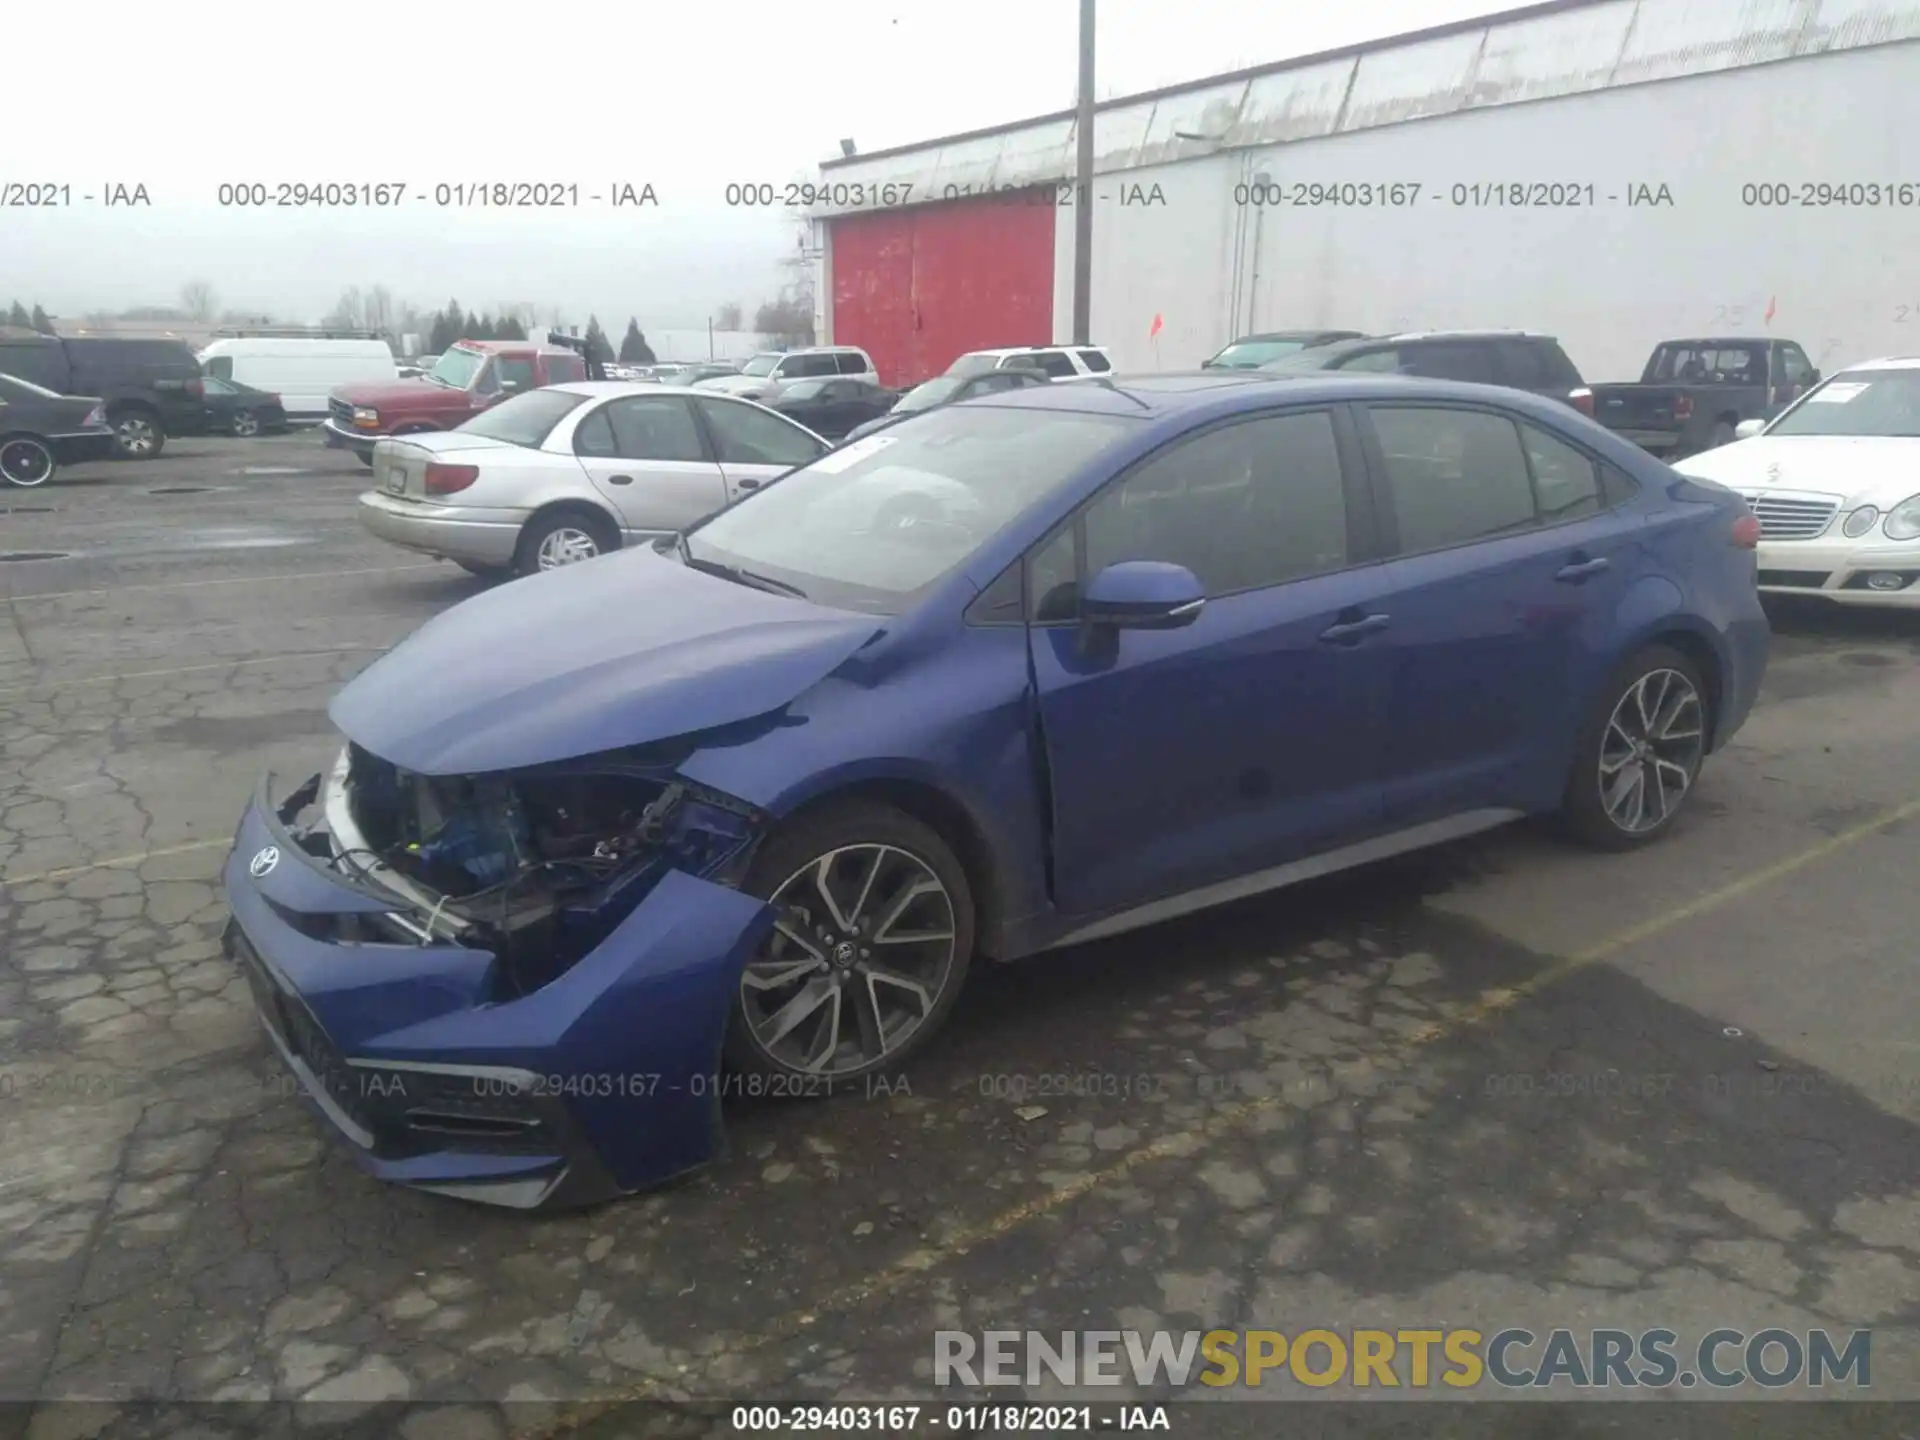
{"x":538,"y":866}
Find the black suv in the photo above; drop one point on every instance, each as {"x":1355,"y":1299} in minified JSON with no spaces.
{"x":150,"y":388}
{"x":1514,"y":358}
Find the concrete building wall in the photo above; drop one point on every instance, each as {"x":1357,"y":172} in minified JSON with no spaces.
{"x":1596,"y":97}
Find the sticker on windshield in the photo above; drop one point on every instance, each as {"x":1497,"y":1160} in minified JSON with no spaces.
{"x":1835,"y":394}
{"x":834,"y":461}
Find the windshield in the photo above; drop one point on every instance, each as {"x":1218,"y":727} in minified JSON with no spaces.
{"x":933,"y":392}
{"x":1252,"y":354}
{"x":457,"y":368}
{"x":974,"y":365}
{"x":875,"y":523}
{"x":525,"y":419}
{"x":1858,"y":402}
{"x":760,"y":365}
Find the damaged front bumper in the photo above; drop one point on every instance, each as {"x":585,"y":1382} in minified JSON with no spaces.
{"x":600,"y":1082}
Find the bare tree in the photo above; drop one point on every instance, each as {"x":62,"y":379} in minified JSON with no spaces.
{"x":377,"y":312}
{"x":198,"y":300}
{"x":728,"y":316}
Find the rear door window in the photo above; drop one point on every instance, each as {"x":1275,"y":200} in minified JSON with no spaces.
{"x":1454,"y":476}
{"x":642,"y":427}
{"x":854,"y":364}
{"x":1443,"y":360}
{"x":1054,"y":363}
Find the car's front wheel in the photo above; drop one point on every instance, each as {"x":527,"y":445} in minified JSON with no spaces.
{"x":873,"y":942}
{"x":1641,"y":751}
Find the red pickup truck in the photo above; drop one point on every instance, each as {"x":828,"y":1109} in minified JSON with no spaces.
{"x":469,"y":377}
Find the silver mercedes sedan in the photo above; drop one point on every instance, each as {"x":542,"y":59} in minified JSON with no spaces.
{"x":568,"y":472}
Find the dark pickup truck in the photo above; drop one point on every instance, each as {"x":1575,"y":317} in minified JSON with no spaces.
{"x":1694,"y":393}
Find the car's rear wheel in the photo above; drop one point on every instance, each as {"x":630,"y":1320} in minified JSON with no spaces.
{"x":137,"y":433}
{"x":873,"y":943}
{"x":246,"y":424}
{"x":1640,"y":753}
{"x":564,"y":537}
{"x":25,"y":461}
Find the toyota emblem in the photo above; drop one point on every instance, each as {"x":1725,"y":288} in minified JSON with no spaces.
{"x":263,"y":863}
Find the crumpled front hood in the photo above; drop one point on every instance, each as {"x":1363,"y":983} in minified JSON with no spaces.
{"x":624,"y":650}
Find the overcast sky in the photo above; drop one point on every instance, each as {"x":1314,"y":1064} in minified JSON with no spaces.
{"x":685,"y":96}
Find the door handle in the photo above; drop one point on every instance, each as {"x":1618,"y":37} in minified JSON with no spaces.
{"x":619,"y":479}
{"x":1350,"y":632}
{"x":1580,"y":570}
{"x":748,"y":484}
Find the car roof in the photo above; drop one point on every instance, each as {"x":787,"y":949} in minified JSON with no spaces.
{"x":1717,"y":340}
{"x":1035,"y":349}
{"x":1300,"y":334}
{"x":1161,"y":395}
{"x":1886,"y":362}
{"x":600,"y":389}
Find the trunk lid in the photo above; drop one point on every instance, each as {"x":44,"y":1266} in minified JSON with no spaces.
{"x":400,"y":466}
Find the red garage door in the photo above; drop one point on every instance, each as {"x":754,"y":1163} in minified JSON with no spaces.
{"x":917,"y":288}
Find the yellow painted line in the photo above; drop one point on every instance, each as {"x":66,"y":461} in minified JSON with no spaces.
{"x":120,"y":862}
{"x":227,"y":580}
{"x":1492,"y":1002}
{"x":56,"y":684}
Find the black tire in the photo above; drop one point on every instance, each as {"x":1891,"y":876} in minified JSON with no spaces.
{"x":26,"y":462}
{"x":245,"y":425}
{"x":537,"y":531}
{"x":137,"y":433}
{"x":793,"y":850}
{"x":1585,"y":813}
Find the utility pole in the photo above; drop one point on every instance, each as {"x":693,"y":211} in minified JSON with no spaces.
{"x":1083,"y":188}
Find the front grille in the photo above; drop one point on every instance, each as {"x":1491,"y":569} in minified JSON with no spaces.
{"x":303,"y":1036}
{"x":1784,"y":519}
{"x":1794,"y":579}
{"x":341,"y":411}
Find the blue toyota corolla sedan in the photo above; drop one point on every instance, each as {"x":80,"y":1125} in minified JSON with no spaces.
{"x":738,"y":813}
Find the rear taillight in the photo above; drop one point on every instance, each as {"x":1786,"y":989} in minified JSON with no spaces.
{"x":1582,"y":400}
{"x":197,"y":388}
{"x":1746,"y":532}
{"x":1682,"y":407}
{"x":446,"y":479}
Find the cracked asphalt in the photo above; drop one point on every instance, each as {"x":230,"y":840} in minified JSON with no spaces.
{"x":1503,"y":1084}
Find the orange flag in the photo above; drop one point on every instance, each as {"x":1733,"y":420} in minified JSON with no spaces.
{"x":1156,"y":328}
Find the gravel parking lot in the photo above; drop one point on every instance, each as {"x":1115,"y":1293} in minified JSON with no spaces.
{"x":1503,"y":1084}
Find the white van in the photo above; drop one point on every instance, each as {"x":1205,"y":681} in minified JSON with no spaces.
{"x":301,"y":372}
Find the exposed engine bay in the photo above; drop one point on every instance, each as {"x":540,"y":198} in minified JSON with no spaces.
{"x":539,"y":866}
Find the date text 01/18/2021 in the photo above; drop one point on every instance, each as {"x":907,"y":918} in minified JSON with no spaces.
{"x":638,"y":1085}
{"x":963,"y":1419}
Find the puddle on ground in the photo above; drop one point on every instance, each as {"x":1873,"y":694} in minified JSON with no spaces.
{"x":26,"y":509}
{"x":6,"y":555}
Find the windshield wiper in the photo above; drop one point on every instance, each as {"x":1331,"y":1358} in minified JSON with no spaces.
{"x":736,"y":574}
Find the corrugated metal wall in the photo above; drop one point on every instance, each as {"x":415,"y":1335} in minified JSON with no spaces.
{"x":1703,"y":96}
{"x":916,"y":288}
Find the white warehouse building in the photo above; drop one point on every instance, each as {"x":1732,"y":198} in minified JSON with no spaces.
{"x":1612,"y":172}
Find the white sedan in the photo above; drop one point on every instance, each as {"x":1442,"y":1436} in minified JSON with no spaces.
{"x":568,"y":472}
{"x":1835,"y":483}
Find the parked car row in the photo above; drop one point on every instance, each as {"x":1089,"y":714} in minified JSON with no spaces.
{"x":1019,"y":671}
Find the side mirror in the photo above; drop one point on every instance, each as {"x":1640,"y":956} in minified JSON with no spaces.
{"x":1747,"y":429}
{"x":1143,"y":595}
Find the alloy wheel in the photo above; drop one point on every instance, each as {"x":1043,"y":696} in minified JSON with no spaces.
{"x":566,"y":545}
{"x":246,"y":424}
{"x":856,"y":964}
{"x":1651,"y":751}
{"x":26,"y":463}
{"x":136,"y":435}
